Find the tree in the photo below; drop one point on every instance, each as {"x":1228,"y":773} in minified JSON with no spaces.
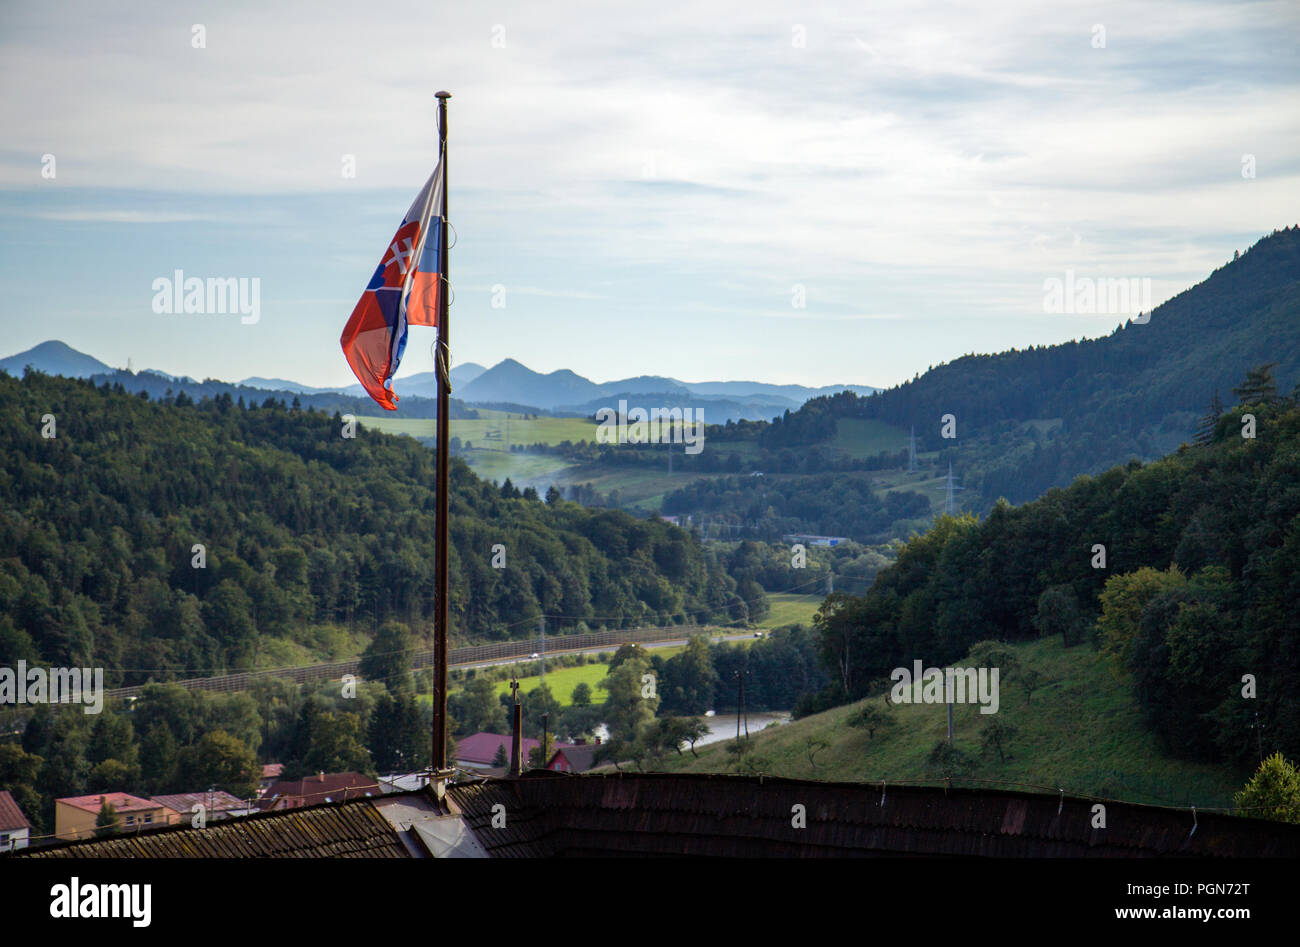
{"x":388,"y":656}
{"x":1030,"y":680}
{"x":626,"y":710}
{"x":397,"y":737}
{"x":221,"y":761}
{"x":1210,"y":420}
{"x":112,"y":737}
{"x":1273,"y":792}
{"x":158,"y":759}
{"x":477,"y":707}
{"x":815,"y":745}
{"x":626,"y":652}
{"x":693,"y":730}
{"x":541,"y":754}
{"x":948,"y":762}
{"x":994,"y":654}
{"x":870,"y":717}
{"x":1122,"y":602}
{"x":1258,"y":387}
{"x":540,"y":702}
{"x":995,"y":738}
{"x":111,"y":775}
{"x":229,"y":608}
{"x":106,"y":821}
{"x":689,"y":679}
{"x":1058,"y":614}
{"x":581,"y":695}
{"x":501,"y":759}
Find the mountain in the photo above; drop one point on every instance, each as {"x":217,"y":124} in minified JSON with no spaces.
{"x":54,"y":358}
{"x":797,"y":393}
{"x":511,"y":381}
{"x":280,"y":384}
{"x":1027,"y":420}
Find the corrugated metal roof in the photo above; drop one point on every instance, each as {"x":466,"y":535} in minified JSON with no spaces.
{"x":352,"y":829}
{"x":738,"y":816}
{"x":546,"y":814}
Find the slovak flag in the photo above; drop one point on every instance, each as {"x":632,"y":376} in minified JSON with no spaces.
{"x":403,"y":292}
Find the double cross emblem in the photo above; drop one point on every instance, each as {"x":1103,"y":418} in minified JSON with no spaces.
{"x":402,"y":255}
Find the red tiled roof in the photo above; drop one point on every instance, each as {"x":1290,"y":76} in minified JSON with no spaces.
{"x":11,"y":816}
{"x":120,"y":801}
{"x":272,"y":770}
{"x":325,"y":787}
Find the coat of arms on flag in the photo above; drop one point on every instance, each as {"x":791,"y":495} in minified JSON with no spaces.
{"x":403,"y":292}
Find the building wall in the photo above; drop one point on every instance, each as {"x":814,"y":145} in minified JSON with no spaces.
{"x":71,"y":822}
{"x":12,"y":839}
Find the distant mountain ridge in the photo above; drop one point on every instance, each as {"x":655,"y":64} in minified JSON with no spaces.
{"x":566,"y":391}
{"x":507,"y":382}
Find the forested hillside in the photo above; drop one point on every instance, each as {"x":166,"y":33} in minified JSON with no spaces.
{"x":1185,"y":571}
{"x":300,"y":526}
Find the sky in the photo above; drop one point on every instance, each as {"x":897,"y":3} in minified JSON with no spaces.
{"x":845,"y":193}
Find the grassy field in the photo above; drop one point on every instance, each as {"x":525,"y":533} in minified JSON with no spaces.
{"x":507,"y":429}
{"x":790,"y":609}
{"x":562,"y":681}
{"x":863,"y":437}
{"x":520,"y":468}
{"x":1080,"y":731}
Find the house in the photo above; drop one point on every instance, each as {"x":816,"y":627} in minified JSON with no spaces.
{"x":574,"y":759}
{"x":478,"y":750}
{"x":15,"y":830}
{"x":323,"y":787}
{"x":74,"y":816}
{"x":217,"y":804}
{"x":270,"y":773}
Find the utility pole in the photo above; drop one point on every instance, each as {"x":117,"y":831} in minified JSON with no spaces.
{"x":911,"y":452}
{"x":542,"y":651}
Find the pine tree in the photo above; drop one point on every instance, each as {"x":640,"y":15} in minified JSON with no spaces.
{"x":1208,"y":422}
{"x":1259,"y":386}
{"x":106,"y":821}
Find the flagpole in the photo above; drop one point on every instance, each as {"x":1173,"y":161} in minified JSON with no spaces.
{"x":443,"y":367}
